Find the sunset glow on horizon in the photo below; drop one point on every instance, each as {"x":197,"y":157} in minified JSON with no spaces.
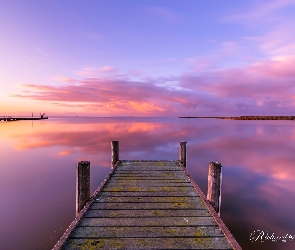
{"x":147,"y":58}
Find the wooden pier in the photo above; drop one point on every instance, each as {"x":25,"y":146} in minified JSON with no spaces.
{"x":10,"y":118}
{"x":147,"y":205}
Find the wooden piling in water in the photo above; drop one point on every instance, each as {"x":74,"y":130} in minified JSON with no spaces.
{"x":82,"y":185}
{"x":214,"y":185}
{"x":115,"y":152}
{"x":182,"y":153}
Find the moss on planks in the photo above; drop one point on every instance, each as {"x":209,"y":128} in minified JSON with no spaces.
{"x":146,"y":199}
{"x":148,"y":232}
{"x":148,"y":221}
{"x":122,"y":188}
{"x":197,"y":204}
{"x":149,"y":243}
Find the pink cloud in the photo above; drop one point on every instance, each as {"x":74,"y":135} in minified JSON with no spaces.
{"x":118,"y":96}
{"x":269,"y":77}
{"x":277,"y":41}
{"x":107,"y":69}
{"x":264,"y":87}
{"x":279,"y":67}
{"x":60,"y":78}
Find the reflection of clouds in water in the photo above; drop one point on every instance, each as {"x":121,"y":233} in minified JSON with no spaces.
{"x":257,"y":159}
{"x":255,"y":201}
{"x":233,"y":144}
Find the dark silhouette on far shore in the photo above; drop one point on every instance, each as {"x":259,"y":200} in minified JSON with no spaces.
{"x":245,"y":117}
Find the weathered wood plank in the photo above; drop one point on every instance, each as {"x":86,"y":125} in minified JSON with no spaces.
{"x":149,"y":178}
{"x":136,"y":199}
{"x":148,"y":243}
{"x":147,"y":189}
{"x":146,"y":232}
{"x":143,"y":194}
{"x":146,"y":213}
{"x":147,"y":170}
{"x":147,"y":163}
{"x":147,"y":184}
{"x":158,"y":173}
{"x":198,"y":204}
{"x":153,"y":173}
{"x":153,"y":221}
{"x":163,"y":180}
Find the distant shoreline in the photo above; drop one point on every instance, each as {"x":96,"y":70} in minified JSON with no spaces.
{"x":244,"y":117}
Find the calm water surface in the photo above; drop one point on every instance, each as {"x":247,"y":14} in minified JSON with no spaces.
{"x":38,"y":160}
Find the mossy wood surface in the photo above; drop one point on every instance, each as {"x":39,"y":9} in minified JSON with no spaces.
{"x":147,"y":205}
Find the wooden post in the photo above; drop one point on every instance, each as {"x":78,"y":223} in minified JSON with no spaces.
{"x":214,"y":185}
{"x":115,"y":152}
{"x":182,"y":153}
{"x":82,"y":185}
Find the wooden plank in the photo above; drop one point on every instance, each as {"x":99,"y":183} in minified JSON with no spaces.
{"x":147,"y":243}
{"x":146,"y":213}
{"x":147,"y":184}
{"x":143,"y":194}
{"x":198,"y":204}
{"x":153,"y":221}
{"x":147,"y":189}
{"x":162,"y":172}
{"x":147,"y":169}
{"x":146,"y":232}
{"x":149,"y":178}
{"x":148,"y":163}
{"x":136,"y":199}
{"x":165,"y":180}
{"x":154,"y":172}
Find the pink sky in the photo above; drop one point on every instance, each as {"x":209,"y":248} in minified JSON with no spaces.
{"x":147,"y":58}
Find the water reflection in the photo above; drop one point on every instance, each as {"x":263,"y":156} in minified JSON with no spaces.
{"x":37,"y":177}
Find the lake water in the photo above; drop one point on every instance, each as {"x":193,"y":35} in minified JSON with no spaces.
{"x":38,"y":163}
